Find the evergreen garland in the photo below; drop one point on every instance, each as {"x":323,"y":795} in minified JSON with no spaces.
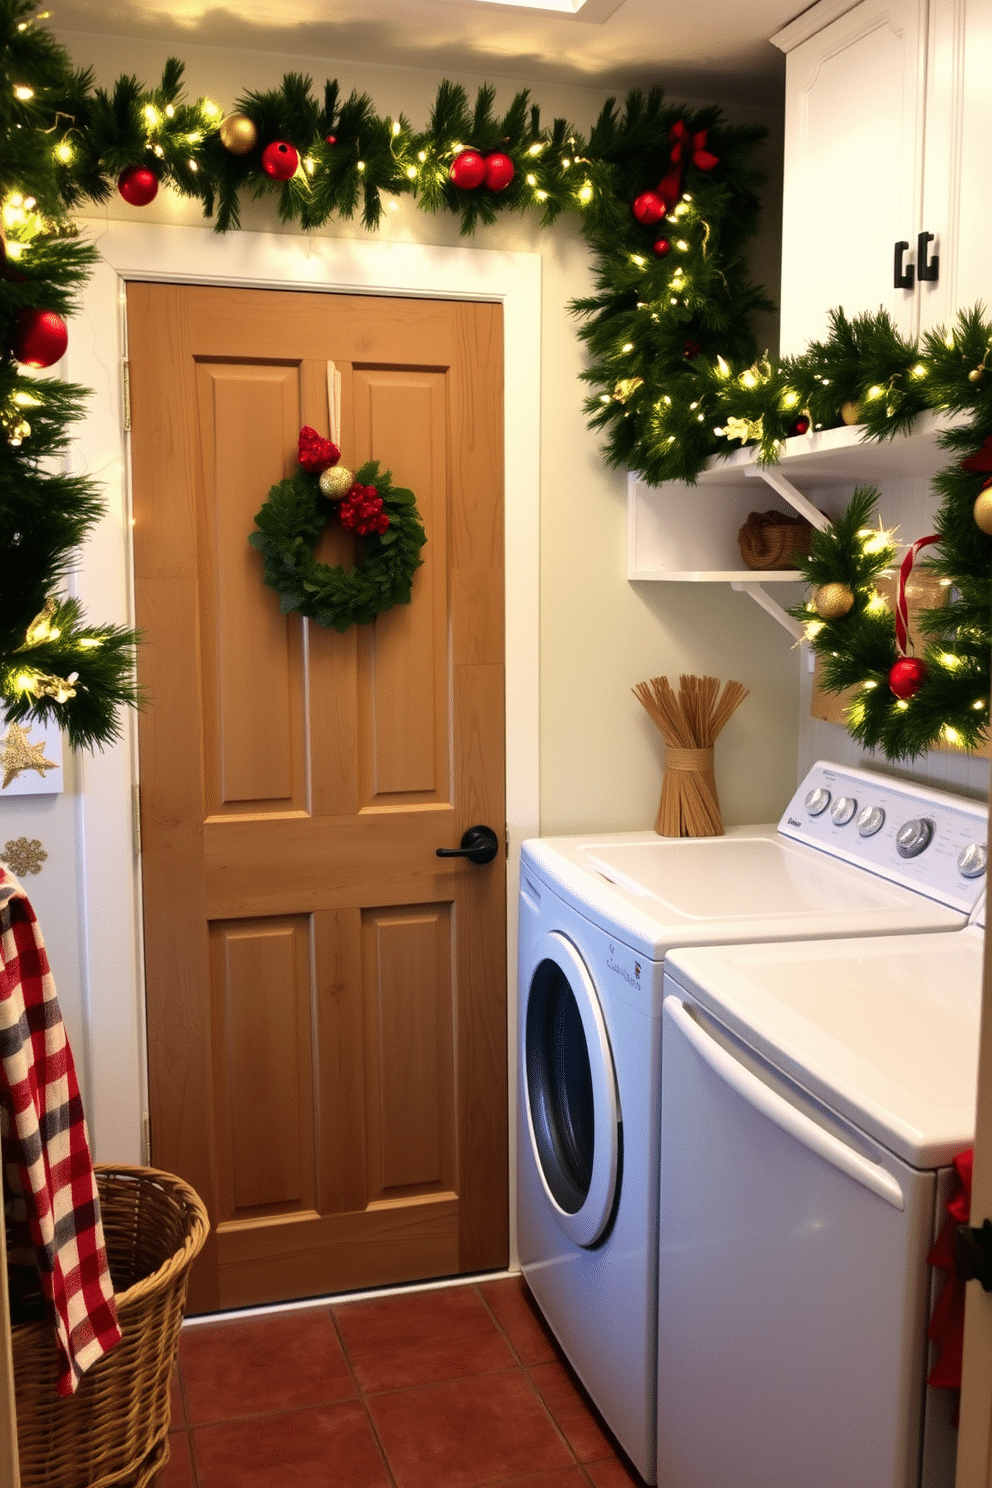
{"x":674,"y":372}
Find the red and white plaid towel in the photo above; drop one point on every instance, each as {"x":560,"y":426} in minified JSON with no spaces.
{"x":51,"y":1189}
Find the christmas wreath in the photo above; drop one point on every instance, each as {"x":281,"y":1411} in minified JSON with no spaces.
{"x":295,"y":514}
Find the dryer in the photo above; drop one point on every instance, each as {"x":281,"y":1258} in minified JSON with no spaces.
{"x":597,"y":917}
{"x":815,"y":1096}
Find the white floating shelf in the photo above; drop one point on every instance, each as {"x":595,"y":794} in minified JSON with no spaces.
{"x":684,"y":534}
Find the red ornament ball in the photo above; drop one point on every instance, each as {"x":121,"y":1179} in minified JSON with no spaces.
{"x":662,"y":248}
{"x":907,"y":677}
{"x":692,"y":349}
{"x":330,"y":139}
{"x":280,"y":160}
{"x":499,"y":171}
{"x":40,"y":338}
{"x":648,"y":207}
{"x":138,"y":185}
{"x":468,"y":170}
{"x":799,"y":425}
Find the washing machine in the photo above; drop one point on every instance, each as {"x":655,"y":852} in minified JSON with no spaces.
{"x":597,"y":917}
{"x":815,"y":1095}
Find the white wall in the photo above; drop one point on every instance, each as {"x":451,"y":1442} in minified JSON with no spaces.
{"x":600,"y":759}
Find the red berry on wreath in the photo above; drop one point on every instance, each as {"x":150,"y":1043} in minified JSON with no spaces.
{"x":362,"y":511}
{"x":907,"y":677}
{"x":138,"y":185}
{"x":468,"y":170}
{"x":648,"y":207}
{"x":499,"y":171}
{"x":692,"y":349}
{"x":662,"y":248}
{"x":331,"y":139}
{"x":40,"y":338}
{"x":280,"y":160}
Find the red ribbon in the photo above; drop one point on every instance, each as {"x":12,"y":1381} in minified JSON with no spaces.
{"x":902,"y":609}
{"x":981,"y":461}
{"x":684,"y":147}
{"x":946,"y":1331}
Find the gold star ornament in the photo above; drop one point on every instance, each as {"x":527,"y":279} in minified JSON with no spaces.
{"x":17,"y":754}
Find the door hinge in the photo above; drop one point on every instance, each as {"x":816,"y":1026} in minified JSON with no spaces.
{"x":146,"y":1140}
{"x":126,"y":393}
{"x":136,"y":820}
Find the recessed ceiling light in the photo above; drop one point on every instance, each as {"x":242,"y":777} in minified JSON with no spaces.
{"x":578,"y":10}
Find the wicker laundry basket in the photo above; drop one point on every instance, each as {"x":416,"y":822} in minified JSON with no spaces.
{"x":114,"y":1429}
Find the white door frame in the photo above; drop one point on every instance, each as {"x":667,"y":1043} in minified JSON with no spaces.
{"x":108,"y":868}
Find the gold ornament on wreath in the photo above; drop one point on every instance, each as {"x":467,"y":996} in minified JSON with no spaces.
{"x":336,"y":481}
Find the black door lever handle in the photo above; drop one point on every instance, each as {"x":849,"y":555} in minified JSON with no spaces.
{"x":479,"y":845}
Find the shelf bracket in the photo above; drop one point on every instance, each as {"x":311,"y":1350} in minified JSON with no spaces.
{"x":788,"y":492}
{"x":795,"y":629}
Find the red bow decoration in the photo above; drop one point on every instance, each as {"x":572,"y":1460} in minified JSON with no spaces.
{"x":980,"y":461}
{"x":684,"y":146}
{"x":902,"y":608}
{"x":315,"y":452}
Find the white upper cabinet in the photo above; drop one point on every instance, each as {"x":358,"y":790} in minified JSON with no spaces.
{"x":888,"y":109}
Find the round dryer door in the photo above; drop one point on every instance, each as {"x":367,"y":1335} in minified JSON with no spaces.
{"x":571,"y":1087}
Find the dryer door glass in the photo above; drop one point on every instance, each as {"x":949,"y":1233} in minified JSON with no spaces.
{"x":560,"y":1087}
{"x":572,"y":1104}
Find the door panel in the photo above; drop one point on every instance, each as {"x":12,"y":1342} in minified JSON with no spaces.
{"x":326,"y":998}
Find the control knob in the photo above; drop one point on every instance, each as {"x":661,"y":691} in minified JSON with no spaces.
{"x":972,"y":860}
{"x":871,"y":820}
{"x":914,"y":836}
{"x":817,"y":800}
{"x":843,"y":810}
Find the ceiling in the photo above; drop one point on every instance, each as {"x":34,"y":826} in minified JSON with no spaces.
{"x":719,"y":50}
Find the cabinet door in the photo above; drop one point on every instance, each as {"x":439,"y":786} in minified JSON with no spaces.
{"x":855,"y":93}
{"x":956,"y":204}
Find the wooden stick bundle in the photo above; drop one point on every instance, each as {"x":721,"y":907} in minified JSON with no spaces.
{"x":689,"y":723}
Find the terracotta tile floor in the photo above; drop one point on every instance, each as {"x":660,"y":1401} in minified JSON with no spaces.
{"x":453,"y":1388}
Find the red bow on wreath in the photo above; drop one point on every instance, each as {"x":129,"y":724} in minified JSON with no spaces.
{"x":684,"y":146}
{"x":315,"y":453}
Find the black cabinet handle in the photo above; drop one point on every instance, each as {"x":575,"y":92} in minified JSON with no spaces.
{"x":926,"y":269}
{"x":479,"y":845}
{"x":902,"y":278}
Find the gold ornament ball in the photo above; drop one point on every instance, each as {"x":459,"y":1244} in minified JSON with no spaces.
{"x":833,"y":601}
{"x":976,"y":374}
{"x":238,"y":134}
{"x":850,"y":413}
{"x":982,"y":511}
{"x":336,"y":481}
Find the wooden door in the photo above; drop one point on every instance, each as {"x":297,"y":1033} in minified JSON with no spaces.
{"x":326,"y":998}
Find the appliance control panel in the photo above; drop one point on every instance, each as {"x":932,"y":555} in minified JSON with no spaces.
{"x":925,"y":839}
